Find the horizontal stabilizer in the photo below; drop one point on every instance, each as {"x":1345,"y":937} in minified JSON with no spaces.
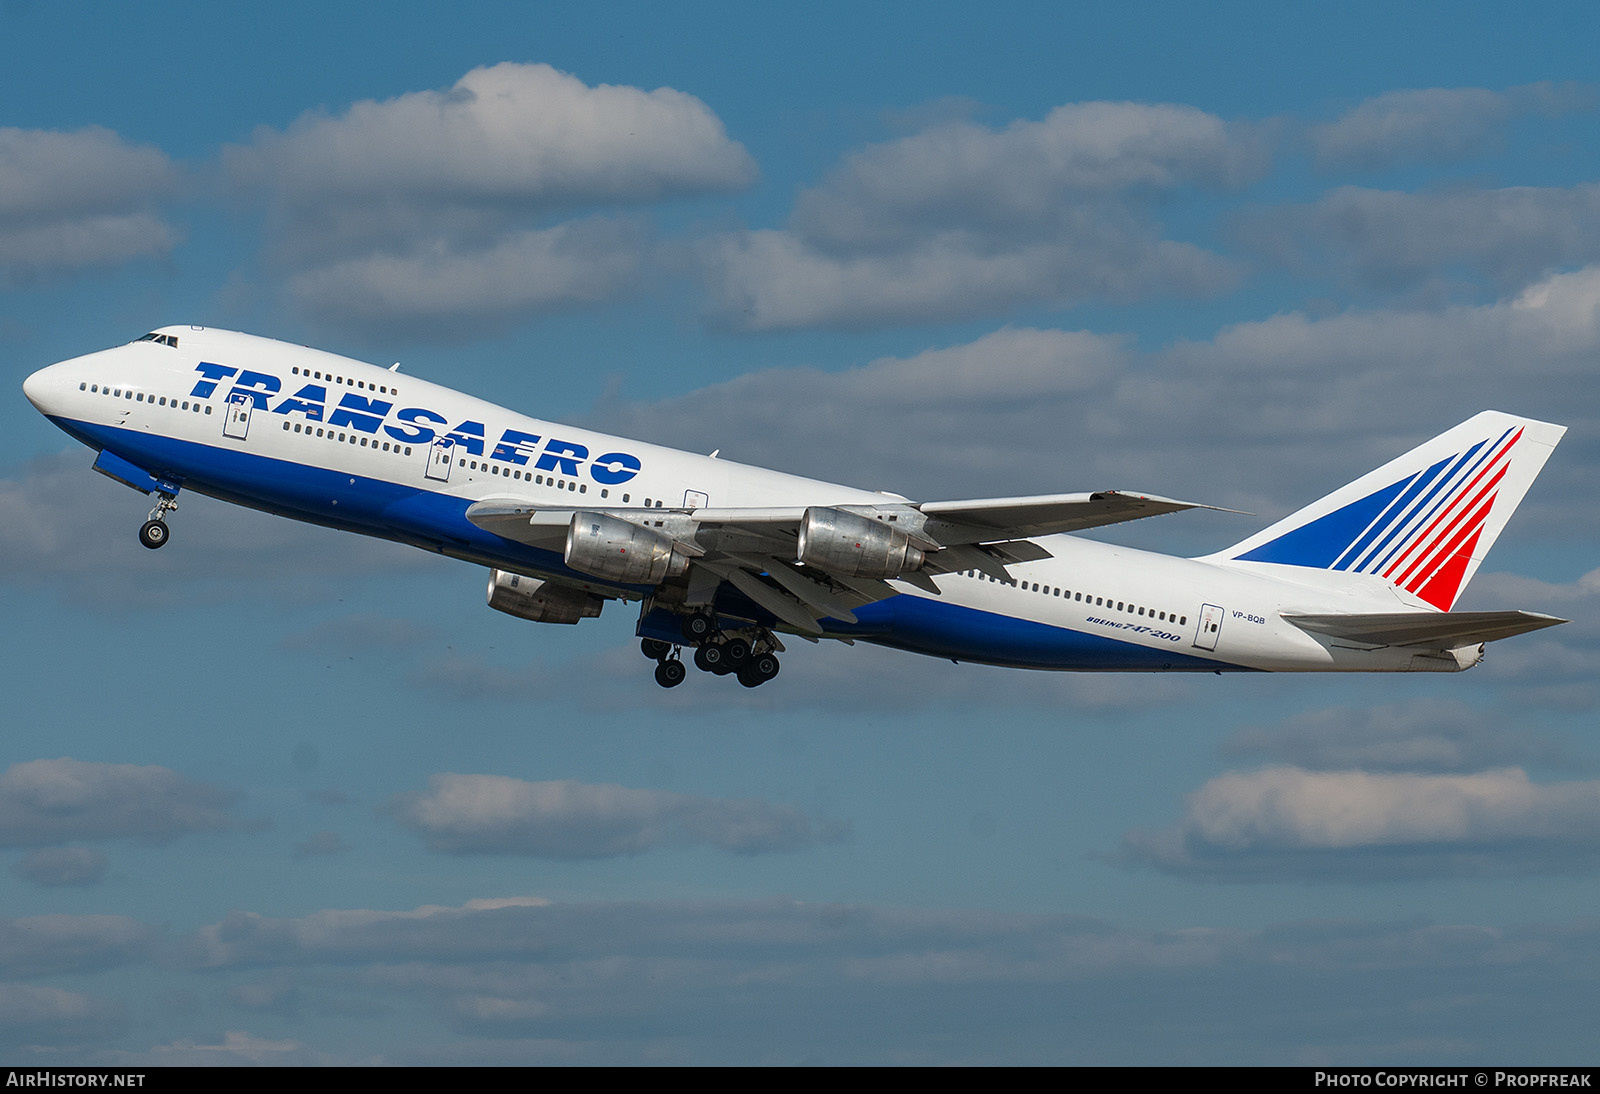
{"x":1434,"y":630}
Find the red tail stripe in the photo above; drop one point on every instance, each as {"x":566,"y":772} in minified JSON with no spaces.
{"x":1473,"y":526}
{"x":1501,"y":460}
{"x":1430,"y":551}
{"x":1445,"y":584}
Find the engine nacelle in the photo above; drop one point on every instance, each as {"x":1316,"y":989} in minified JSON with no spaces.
{"x":617,"y":550}
{"x":850,"y":545}
{"x":540,"y":601}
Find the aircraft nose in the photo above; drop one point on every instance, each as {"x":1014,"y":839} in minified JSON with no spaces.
{"x":35,"y":388}
{"x":45,"y":389}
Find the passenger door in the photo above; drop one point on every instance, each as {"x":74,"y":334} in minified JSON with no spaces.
{"x":1210,"y":629}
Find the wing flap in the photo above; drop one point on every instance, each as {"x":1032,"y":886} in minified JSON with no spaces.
{"x":814,"y":594}
{"x":786,"y":608}
{"x":1434,"y":630}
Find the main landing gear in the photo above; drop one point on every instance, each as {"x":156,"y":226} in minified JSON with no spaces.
{"x":752,"y":662}
{"x":154,"y":533}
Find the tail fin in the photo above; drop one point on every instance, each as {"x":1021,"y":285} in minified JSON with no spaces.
{"x":1422,"y":522}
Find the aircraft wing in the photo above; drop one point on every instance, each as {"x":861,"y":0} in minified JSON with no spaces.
{"x":522,"y":523}
{"x":754,"y":548}
{"x":946,"y":523}
{"x":1434,"y":630}
{"x":988,"y":519}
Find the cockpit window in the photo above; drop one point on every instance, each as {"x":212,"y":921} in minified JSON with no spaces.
{"x":161,"y":339}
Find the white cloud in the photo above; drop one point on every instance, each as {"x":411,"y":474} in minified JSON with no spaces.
{"x":1434,"y":125}
{"x":495,"y":814}
{"x":1388,"y":240}
{"x":770,"y":280}
{"x":34,"y":1012}
{"x":1422,"y":735}
{"x":64,"y":526}
{"x":50,"y":801}
{"x":236,"y":1049}
{"x":430,"y":211}
{"x":518,"y":133}
{"x":962,"y":220}
{"x":320,"y":843}
{"x":1288,"y":822}
{"x":446,"y":288}
{"x":1263,"y":416}
{"x":1009,"y":181}
{"x":723,"y":981}
{"x":1558,"y":669}
{"x":71,"y":201}
{"x":825,"y":677}
{"x":940,"y":409}
{"x":50,"y":945}
{"x":57,"y":866}
{"x":522,"y":978}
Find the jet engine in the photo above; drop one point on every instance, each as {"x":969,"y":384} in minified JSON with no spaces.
{"x":617,"y":550}
{"x":540,"y":601}
{"x":850,"y":545}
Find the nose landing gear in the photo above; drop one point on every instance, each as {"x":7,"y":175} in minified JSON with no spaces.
{"x":154,"y":533}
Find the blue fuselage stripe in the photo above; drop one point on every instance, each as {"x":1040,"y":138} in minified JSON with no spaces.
{"x":437,"y":521}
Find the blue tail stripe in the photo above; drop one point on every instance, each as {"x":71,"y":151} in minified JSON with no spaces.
{"x":1319,"y":543}
{"x":1352,"y":554}
{"x":1427,"y":487}
{"x":1480,"y":455}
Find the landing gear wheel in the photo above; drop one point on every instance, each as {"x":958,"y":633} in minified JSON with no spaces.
{"x":709,"y":658}
{"x":669,"y":674}
{"x":736,"y":651}
{"x":154,"y":534}
{"x":698,"y":627}
{"x":654,"y":648}
{"x":758,"y":670}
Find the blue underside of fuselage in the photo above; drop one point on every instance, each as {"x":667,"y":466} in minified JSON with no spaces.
{"x":438,"y":522}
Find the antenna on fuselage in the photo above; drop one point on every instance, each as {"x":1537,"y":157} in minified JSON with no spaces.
{"x":395,"y":367}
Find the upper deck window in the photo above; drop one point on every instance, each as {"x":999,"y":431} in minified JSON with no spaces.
{"x":161,"y":339}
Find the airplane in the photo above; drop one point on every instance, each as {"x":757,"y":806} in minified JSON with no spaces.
{"x":724,"y":559}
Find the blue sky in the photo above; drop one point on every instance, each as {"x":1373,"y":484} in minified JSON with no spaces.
{"x":1240,"y":255}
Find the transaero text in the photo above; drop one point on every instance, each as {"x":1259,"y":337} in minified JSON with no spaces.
{"x":413,"y":425}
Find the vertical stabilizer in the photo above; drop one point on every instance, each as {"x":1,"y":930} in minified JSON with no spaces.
{"x":1422,"y":522}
